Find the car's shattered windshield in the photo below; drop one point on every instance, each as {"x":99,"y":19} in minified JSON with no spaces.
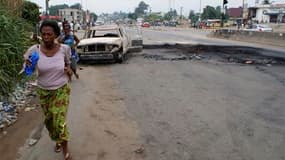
{"x":104,"y":33}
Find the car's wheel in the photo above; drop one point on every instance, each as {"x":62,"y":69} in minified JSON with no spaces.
{"x":120,"y":58}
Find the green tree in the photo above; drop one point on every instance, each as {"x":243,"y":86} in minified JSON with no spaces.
{"x":132,"y":16}
{"x":170,"y":15}
{"x":211,"y":13}
{"x":153,"y":17}
{"x":94,"y":17}
{"x":193,"y":17}
{"x":53,"y":10}
{"x":30,"y":12}
{"x":14,"y":40}
{"x":76,"y":6}
{"x":191,"y":14}
{"x":141,"y":9}
{"x":219,"y":11}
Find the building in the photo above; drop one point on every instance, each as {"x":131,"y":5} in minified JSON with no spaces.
{"x":71,"y":15}
{"x":270,"y":13}
{"x":235,"y":12}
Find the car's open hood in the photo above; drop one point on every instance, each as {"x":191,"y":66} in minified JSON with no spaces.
{"x":100,"y":40}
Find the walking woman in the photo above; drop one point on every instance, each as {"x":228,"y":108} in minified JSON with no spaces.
{"x":72,"y":41}
{"x":53,"y":68}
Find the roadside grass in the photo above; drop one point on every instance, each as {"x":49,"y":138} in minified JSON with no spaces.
{"x":14,"y":40}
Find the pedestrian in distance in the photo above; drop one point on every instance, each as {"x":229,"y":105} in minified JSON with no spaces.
{"x":53,"y":68}
{"x":70,"y":39}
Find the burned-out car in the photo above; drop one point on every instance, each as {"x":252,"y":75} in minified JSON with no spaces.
{"x":107,"y":42}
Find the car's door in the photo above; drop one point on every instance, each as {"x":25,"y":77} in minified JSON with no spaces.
{"x":136,"y":39}
{"x":125,"y":38}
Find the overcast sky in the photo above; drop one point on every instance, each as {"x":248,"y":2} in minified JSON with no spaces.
{"x":109,"y":6}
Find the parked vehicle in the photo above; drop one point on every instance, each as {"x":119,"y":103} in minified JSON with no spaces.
{"x":99,"y":23}
{"x":157,"y":24}
{"x":259,"y":28}
{"x":107,"y":42}
{"x":77,"y":27}
{"x":170,"y":23}
{"x":146,"y":24}
{"x":202,"y":24}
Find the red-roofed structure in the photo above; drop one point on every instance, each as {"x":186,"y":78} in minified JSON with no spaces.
{"x":44,"y":17}
{"x":235,"y":12}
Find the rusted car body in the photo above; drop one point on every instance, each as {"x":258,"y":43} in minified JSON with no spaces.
{"x":107,"y":42}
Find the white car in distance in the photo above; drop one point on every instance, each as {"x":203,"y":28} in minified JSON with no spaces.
{"x":259,"y":28}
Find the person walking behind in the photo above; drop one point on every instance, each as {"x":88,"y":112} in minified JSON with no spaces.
{"x":71,"y":40}
{"x":53,"y":71}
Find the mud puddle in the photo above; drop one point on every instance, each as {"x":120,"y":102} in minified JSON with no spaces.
{"x":208,"y":53}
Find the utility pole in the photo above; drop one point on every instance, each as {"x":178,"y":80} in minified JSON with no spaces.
{"x":47,"y":9}
{"x":200,"y":6}
{"x":242,"y":12}
{"x":181,"y":10}
{"x":81,"y":14}
{"x":225,"y":2}
{"x":200,"y":10}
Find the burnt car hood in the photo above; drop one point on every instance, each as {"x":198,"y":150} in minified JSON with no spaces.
{"x":103,"y":40}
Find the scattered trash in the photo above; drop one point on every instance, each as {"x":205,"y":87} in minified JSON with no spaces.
{"x":15,"y":103}
{"x":166,"y":57}
{"x":35,"y":83}
{"x":28,"y":109}
{"x":80,"y":68}
{"x":140,"y":150}
{"x":248,"y":62}
{"x":196,"y":57}
{"x":1,"y":106}
{"x":7,"y":107}
{"x":110,"y":133}
{"x":32,"y":142}
{"x":2,"y":126}
{"x":5,"y":133}
{"x":209,"y":53}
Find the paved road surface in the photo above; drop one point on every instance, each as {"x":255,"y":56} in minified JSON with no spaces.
{"x":174,"y":110}
{"x":171,"y":35}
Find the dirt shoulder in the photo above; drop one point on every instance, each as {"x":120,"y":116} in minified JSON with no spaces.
{"x":18,"y":133}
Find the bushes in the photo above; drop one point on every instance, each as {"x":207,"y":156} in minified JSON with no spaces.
{"x":30,"y":12}
{"x":14,"y":40}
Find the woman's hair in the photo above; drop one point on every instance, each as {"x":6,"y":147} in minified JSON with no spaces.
{"x":52,"y":24}
{"x":67,"y":26}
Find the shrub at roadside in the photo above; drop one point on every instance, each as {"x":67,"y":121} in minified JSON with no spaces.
{"x":14,"y":40}
{"x":30,"y":12}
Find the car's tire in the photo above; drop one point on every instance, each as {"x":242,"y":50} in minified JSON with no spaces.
{"x":120,"y":58}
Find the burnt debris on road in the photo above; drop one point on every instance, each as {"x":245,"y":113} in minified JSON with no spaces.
{"x":222,"y":54}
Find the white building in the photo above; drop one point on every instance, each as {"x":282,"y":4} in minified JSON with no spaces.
{"x":270,"y":13}
{"x":71,"y":15}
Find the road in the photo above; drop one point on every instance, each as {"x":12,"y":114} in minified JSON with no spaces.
{"x":157,"y":106}
{"x":162,"y":35}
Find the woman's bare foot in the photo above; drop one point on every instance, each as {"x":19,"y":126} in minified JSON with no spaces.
{"x":67,"y":156}
{"x":65,"y":150}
